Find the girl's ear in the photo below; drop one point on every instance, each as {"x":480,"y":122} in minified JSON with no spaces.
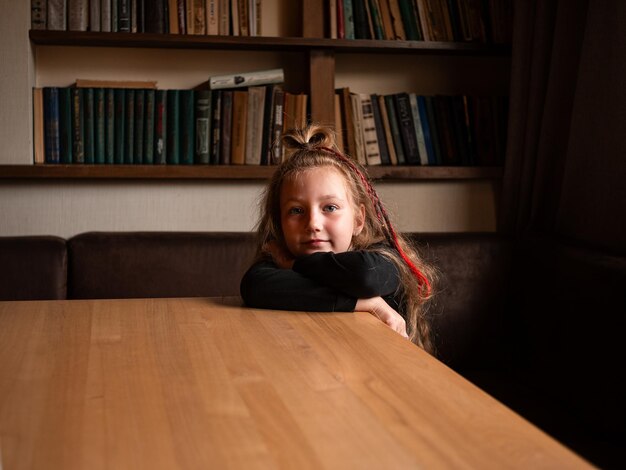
{"x":359,"y":220}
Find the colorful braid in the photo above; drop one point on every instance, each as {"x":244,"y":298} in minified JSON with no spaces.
{"x":381,"y":213}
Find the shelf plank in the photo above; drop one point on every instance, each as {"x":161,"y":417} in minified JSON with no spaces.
{"x":228,"y":172}
{"x":260,"y":43}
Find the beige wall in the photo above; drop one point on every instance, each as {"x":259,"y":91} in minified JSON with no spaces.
{"x":66,"y":208}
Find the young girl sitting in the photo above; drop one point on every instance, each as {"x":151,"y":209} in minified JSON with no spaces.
{"x":326,"y":243}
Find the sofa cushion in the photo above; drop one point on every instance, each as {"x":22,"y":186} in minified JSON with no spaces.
{"x":157,"y":264}
{"x":33,"y":268}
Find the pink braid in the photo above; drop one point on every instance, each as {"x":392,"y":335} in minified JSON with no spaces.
{"x":383,"y":218}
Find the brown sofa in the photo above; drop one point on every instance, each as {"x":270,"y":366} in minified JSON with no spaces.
{"x":538,"y":323}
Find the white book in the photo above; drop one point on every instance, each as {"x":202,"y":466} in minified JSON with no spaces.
{"x":212,"y":17}
{"x":419,"y":132}
{"x":357,"y":112}
{"x":262,"y":77}
{"x":370,"y":137}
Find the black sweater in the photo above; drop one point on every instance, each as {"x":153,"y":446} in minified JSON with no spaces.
{"x":322,"y":282}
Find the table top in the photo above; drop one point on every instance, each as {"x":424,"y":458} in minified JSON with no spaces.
{"x":206,"y":383}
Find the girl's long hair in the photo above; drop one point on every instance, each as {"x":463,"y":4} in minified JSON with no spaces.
{"x":315,"y":147}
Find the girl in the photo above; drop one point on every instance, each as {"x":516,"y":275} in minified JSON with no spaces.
{"x":326,"y":243}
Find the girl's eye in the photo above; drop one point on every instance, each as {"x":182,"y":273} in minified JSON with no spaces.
{"x":295,"y":210}
{"x":330,"y":208}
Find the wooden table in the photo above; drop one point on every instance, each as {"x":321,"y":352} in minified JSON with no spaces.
{"x":205,"y":383}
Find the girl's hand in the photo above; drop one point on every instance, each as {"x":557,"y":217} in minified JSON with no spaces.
{"x":281,"y":257}
{"x":380,"y":309}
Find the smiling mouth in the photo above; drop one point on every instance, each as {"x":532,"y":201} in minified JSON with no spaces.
{"x":315,"y":242}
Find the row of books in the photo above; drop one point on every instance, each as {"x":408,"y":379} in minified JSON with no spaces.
{"x":410,"y":129}
{"x":214,"y":17}
{"x":151,"y":126}
{"x":486,"y":21}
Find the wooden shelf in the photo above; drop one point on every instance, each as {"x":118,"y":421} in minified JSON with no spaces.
{"x":260,"y":43}
{"x":228,"y":172}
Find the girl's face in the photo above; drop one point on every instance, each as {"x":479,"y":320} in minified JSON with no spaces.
{"x":317,"y":212}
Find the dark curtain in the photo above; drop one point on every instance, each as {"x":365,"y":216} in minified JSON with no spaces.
{"x":565,"y":169}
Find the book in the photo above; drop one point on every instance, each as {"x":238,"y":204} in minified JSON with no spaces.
{"x":409,"y":20}
{"x":276,"y":147}
{"x":154,"y":16}
{"x":254,"y":124}
{"x":105,"y":15}
{"x":94,"y":15}
{"x":332,"y":19}
{"x":419,"y":132}
{"x":89,"y":83}
{"x":347,"y":121}
{"x":212,"y":17}
{"x":376,"y":20}
{"x":173,"y":127}
{"x":114,"y":8}
{"x":348,"y":19}
{"x":268,"y":118}
{"x":216,"y":125}
{"x":65,"y":125}
{"x":242,"y":80}
{"x":393,"y":158}
{"x":244,"y":20}
{"x":109,"y":126}
{"x":140,"y":122}
{"x":239,"y":123}
{"x":226,"y":127}
{"x":89,"y":121}
{"x":361,"y":26}
{"x":385,"y":15}
{"x":430,"y":151}
{"x":38,"y":20}
{"x":148,"y":130}
{"x":341,"y":31}
{"x":129,"y":133}
{"x":172,"y":17}
{"x":357,"y":113}
{"x":223,"y":10}
{"x":370,"y":137}
{"x":52,"y":145}
{"x":198,"y":16}
{"x":385,"y":159}
{"x":432,"y":126}
{"x":78,"y":126}
{"x":160,"y":127}
{"x":396,"y":136}
{"x":120,"y":125}
{"x":234,"y":17}
{"x":396,"y":20}
{"x":57,"y":17}
{"x":407,"y":128}
{"x":422,"y":10}
{"x":124,"y":16}
{"x":39,"y":151}
{"x":338,"y":124}
{"x":187,"y":127}
{"x":203,"y":116}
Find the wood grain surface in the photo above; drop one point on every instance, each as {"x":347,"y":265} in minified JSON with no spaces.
{"x":205,"y":383}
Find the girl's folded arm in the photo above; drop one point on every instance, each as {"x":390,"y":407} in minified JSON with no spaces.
{"x":360,"y":274}
{"x":265,"y":285}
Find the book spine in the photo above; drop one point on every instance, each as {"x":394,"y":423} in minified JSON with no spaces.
{"x":203,"y":126}
{"x":173,"y":127}
{"x":129,"y":147}
{"x":380,"y":131}
{"x":372,"y":149}
{"x":109,"y":127}
{"x":57,"y":15}
{"x":216,"y":126}
{"x":238,"y":144}
{"x":348,"y":17}
{"x":51,"y":124}
{"x":105,"y":15}
{"x":187,"y":126}
{"x":78,"y":126}
{"x":341,"y":22}
{"x":123,"y":16}
{"x":432,"y":126}
{"x":94,"y":15}
{"x":38,"y":14}
{"x":407,"y":129}
{"x":78,"y":15}
{"x":395,"y":129}
{"x":265,"y":77}
{"x":39,"y":149}
{"x":140,"y":104}
{"x":268,"y":124}
{"x":393,"y":157}
{"x":244,"y":21}
{"x":409,"y":20}
{"x":226,"y":128}
{"x":361,"y":28}
{"x":120,"y":125}
{"x":224,"y":17}
{"x":419,"y":132}
{"x":154,"y":16}
{"x":212,"y":17}
{"x":160,"y":127}
{"x":199,"y":17}
{"x":114,"y":16}
{"x":89,"y":123}
{"x":148,"y":130}
{"x":65,"y":124}
{"x":277,"y":132}
{"x":396,"y":20}
{"x":430,"y":151}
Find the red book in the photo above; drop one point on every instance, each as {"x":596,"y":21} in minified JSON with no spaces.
{"x":341,"y":31}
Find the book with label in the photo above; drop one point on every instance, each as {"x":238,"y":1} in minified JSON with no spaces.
{"x":52,"y":141}
{"x":78,"y":126}
{"x":370,"y":137}
{"x":160,"y":127}
{"x":203,"y":117}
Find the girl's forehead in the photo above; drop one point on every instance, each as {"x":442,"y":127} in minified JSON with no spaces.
{"x":315,"y":178}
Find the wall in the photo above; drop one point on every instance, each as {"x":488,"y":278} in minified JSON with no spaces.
{"x":68,"y":207}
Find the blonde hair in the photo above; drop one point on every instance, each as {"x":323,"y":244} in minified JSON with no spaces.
{"x":315,"y":147}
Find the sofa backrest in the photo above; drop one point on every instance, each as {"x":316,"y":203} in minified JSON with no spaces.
{"x":157,"y":264}
{"x":33,"y":268}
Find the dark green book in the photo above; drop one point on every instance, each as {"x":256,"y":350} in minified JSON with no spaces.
{"x":173,"y":127}
{"x":203,"y":106}
{"x":395,"y":129}
{"x":434,"y":131}
{"x":78,"y":126}
{"x":409,"y":20}
{"x":148,"y":128}
{"x":129,"y":143}
{"x":216,"y":126}
{"x":160,"y":127}
{"x":120,"y":125}
{"x":140,"y":98}
{"x":187,"y":127}
{"x":65,"y":125}
{"x":109,"y":125}
{"x":99,"y":126}
{"x":89,"y":123}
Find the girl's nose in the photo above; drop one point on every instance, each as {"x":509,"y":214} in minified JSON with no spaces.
{"x":314,"y":221}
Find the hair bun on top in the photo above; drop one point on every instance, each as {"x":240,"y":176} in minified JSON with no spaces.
{"x":308,"y":138}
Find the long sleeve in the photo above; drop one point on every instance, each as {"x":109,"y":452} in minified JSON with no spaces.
{"x":265,"y":285}
{"x":359,"y":274}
